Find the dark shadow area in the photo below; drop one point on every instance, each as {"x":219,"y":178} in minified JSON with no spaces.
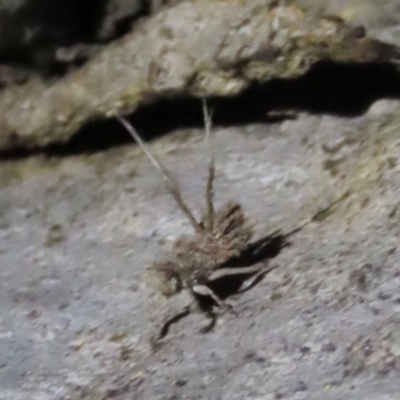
{"x":52,"y":24}
{"x":262,"y":250}
{"x":33,"y":31}
{"x":346,"y":90}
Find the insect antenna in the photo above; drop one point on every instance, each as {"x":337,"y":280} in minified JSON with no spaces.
{"x":210,"y":215}
{"x":170,"y":183}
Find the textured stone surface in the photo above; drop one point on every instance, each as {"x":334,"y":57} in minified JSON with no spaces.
{"x":380,"y":18}
{"x":77,"y":234}
{"x":233,"y":45}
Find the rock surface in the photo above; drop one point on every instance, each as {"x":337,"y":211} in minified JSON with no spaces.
{"x":381,"y":19}
{"x":233,"y":45}
{"x":78,"y":231}
{"x":77,"y":234}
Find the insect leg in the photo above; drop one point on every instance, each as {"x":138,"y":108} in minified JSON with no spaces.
{"x":176,"y":318}
{"x":252,"y":281}
{"x":204,"y":290}
{"x":213,"y":320}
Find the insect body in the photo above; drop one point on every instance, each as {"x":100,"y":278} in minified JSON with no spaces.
{"x":199,"y":259}
{"x":218,"y":251}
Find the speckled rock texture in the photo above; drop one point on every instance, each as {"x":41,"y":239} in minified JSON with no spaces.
{"x":381,"y":18}
{"x":233,"y":44}
{"x":78,"y":231}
